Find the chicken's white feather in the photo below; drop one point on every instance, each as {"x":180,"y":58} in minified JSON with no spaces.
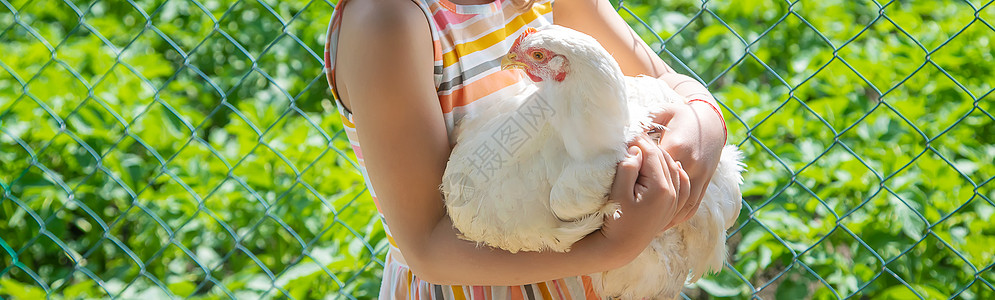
{"x":532,"y":173}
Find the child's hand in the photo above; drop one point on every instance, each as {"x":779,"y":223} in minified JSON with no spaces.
{"x":694,"y":137}
{"x":650,"y":188}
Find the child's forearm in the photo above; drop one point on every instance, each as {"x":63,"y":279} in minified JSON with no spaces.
{"x":599,"y":19}
{"x":688,"y":87}
{"x":709,"y":115}
{"x":443,"y":258}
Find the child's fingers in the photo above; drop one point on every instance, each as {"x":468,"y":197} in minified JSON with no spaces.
{"x":662,"y":177}
{"x":653,"y":163}
{"x":626,"y":175}
{"x":685,"y":189}
{"x":675,"y":177}
{"x":685,"y":196}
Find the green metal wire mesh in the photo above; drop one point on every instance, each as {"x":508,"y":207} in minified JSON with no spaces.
{"x":191,"y":149}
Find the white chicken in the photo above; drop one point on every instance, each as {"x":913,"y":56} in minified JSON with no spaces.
{"x":533,"y":173}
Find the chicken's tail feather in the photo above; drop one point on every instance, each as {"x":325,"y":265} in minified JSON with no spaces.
{"x":719,"y":209}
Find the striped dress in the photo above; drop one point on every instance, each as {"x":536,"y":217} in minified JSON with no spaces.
{"x":469,"y":41}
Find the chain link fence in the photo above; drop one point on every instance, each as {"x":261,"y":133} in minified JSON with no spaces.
{"x":191,"y":149}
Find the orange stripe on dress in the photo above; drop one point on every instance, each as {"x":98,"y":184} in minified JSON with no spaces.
{"x":516,"y":293}
{"x":480,"y":88}
{"x":589,"y":293}
{"x":437,"y":48}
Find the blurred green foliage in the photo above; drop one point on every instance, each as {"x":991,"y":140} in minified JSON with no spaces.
{"x":870,"y":141}
{"x":176,"y":148}
{"x":173,"y":148}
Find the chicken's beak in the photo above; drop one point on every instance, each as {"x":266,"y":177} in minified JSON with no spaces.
{"x":510,"y":62}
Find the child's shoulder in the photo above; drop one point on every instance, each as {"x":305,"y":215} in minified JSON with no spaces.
{"x":381,"y":16}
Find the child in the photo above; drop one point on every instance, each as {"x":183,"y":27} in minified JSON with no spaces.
{"x":404,"y":71}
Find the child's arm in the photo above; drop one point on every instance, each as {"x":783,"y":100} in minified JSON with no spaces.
{"x":384,"y":68}
{"x":697,"y":135}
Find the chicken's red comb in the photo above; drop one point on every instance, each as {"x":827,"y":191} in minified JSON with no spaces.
{"x":521,"y":37}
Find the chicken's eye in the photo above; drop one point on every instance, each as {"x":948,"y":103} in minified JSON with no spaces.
{"x":538,"y":55}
